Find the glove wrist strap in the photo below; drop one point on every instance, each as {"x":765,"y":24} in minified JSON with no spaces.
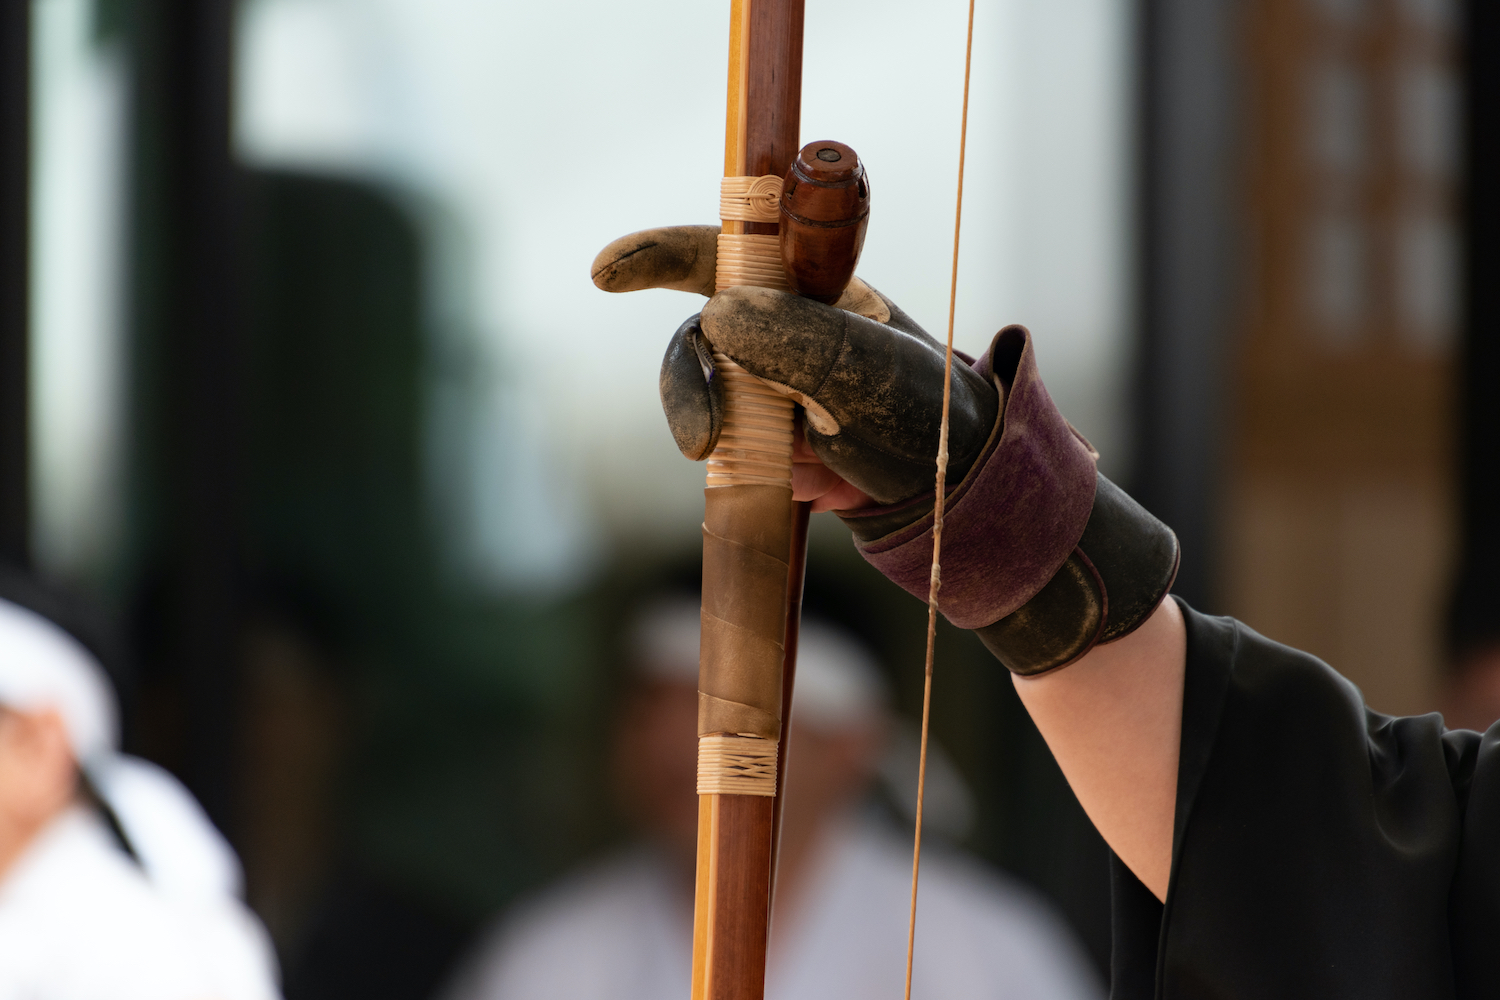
{"x":1111,"y":583}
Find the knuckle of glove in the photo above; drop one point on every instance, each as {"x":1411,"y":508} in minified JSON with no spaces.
{"x":692,"y":401}
{"x":873,"y":391}
{"x":779,"y":337}
{"x":887,"y":395}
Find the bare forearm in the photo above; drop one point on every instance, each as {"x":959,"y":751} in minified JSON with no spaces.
{"x":1113,"y":720}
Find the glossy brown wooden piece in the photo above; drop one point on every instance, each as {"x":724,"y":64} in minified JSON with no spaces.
{"x":740,"y":875}
{"x":825,"y":210}
{"x":767,"y":35}
{"x":736,"y":832}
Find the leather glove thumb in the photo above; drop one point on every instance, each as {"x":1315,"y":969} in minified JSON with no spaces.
{"x":869,"y":378}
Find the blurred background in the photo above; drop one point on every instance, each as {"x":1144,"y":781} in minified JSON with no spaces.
{"x":303,"y":376}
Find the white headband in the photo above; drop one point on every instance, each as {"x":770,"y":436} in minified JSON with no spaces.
{"x":43,"y":667}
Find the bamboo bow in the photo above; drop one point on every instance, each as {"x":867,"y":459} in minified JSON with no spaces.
{"x":755,"y":537}
{"x":755,"y":542}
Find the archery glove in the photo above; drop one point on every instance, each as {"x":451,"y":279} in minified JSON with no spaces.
{"x":869,"y":379}
{"x":1043,"y":557}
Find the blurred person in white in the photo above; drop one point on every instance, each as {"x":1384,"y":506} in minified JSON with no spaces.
{"x":114,"y":885}
{"x":622,"y":929}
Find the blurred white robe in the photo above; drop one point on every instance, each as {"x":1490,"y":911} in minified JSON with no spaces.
{"x":623,"y":931}
{"x":79,"y":920}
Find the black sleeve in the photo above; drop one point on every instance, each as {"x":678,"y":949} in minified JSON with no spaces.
{"x":1321,"y":850}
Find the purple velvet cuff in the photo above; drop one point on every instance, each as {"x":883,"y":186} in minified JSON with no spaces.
{"x":1017,"y":515}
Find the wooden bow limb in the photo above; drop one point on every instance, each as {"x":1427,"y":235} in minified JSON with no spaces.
{"x":754,"y":535}
{"x":754,"y":547}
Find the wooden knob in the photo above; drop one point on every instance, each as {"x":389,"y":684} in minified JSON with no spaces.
{"x":825,"y":209}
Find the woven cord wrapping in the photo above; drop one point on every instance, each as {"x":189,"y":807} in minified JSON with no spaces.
{"x":746,"y":534}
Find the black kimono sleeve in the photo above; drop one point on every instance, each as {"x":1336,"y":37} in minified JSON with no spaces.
{"x":1321,"y":850}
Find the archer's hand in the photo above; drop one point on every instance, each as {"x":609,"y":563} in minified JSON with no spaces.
{"x":868,"y":378}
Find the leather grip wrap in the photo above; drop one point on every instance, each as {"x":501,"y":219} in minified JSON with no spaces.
{"x":747,"y":532}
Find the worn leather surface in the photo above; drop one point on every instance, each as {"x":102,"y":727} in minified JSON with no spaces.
{"x":1062,"y":622}
{"x":684,"y":258}
{"x":873,"y":392}
{"x":691,"y":397}
{"x":869,"y":377}
{"x":680,"y":257}
{"x":744,"y":609}
{"x":1012,"y":522}
{"x":1123,"y":566}
{"x":1042,"y":557}
{"x":1136,"y":556}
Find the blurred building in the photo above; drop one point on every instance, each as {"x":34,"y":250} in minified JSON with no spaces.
{"x":1315,"y":288}
{"x":1339,"y":518}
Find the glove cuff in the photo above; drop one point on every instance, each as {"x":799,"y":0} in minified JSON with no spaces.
{"x":1013,"y":520}
{"x":1122,"y":567}
{"x":1042,"y":556}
